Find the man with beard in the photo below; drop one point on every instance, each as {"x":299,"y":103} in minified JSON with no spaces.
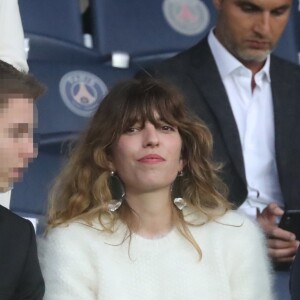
{"x":250,"y":101}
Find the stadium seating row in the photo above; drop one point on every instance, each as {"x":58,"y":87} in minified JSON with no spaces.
{"x":140,"y":28}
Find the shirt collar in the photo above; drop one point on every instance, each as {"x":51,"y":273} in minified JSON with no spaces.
{"x":227,"y":63}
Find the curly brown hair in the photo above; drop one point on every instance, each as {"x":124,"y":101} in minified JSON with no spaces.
{"x":14,"y":83}
{"x":82,"y":192}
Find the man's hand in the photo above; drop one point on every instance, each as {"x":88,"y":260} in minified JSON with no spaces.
{"x":282,"y":244}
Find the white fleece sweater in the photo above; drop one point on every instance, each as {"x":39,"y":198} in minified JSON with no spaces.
{"x":83,"y":263}
{"x":12,"y":48}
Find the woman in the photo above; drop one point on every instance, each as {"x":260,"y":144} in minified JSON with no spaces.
{"x":139,"y":212}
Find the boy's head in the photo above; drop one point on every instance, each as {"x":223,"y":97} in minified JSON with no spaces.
{"x":18,"y":91}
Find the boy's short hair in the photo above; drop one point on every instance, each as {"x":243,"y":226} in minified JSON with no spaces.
{"x":16,"y":84}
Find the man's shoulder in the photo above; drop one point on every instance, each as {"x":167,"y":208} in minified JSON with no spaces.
{"x":11,"y":220}
{"x":282,"y":65}
{"x":17,"y":232}
{"x":182,"y":60}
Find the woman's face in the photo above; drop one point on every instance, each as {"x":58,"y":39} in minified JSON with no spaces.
{"x":148,"y":158}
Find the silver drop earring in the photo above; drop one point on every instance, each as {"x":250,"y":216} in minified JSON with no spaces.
{"x":179,"y":202}
{"x":117,"y":192}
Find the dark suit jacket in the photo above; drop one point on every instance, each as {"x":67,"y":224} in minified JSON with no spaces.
{"x":295,"y":278}
{"x":196,"y":73}
{"x":20,"y":274}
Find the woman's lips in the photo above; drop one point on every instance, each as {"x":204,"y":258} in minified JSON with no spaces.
{"x":151,"y":158}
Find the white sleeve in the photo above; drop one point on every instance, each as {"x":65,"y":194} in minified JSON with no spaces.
{"x":251,"y":275}
{"x":66,"y":266}
{"x":12,"y":48}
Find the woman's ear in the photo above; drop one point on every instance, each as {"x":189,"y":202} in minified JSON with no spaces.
{"x":182,"y":164}
{"x":111,"y":165}
{"x":109,"y":158}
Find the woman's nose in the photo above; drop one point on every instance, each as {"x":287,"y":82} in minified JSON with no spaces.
{"x":150,"y":136}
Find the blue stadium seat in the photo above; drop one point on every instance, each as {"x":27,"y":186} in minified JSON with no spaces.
{"x":44,"y":48}
{"x":289,"y":44}
{"x":53,"y":18}
{"x":74,"y":92}
{"x":54,"y":30}
{"x":149,"y":28}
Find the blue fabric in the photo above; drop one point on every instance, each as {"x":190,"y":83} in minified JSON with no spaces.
{"x":295,"y":278}
{"x":140,"y":27}
{"x":54,"y":30}
{"x":53,"y":18}
{"x":55,"y":118}
{"x":289,"y":44}
{"x":281,"y":285}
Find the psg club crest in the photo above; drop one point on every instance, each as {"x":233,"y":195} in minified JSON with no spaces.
{"x":188,"y":17}
{"x":82,"y":92}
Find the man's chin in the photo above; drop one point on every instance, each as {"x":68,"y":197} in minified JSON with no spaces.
{"x":254,"y":55}
{"x":5,"y":188}
{"x":6,"y":184}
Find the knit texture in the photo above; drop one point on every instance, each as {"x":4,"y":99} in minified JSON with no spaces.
{"x":12,"y":49}
{"x":82,"y":262}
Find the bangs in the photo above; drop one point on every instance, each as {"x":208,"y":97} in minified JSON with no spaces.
{"x":156,"y":105}
{"x":136,"y":102}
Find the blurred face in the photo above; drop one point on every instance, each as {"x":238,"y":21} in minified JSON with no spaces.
{"x":16,"y":140}
{"x":148,"y":158}
{"x":250,"y":29}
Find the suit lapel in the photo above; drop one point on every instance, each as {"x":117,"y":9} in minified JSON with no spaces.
{"x":280,"y":90}
{"x":284,"y":110}
{"x":206,"y":77}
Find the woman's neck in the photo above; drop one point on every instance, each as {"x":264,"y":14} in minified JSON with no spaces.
{"x":152,"y":213}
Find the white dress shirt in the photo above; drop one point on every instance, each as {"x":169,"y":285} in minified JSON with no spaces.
{"x":253,"y":113}
{"x":5,"y":199}
{"x":12,"y":48}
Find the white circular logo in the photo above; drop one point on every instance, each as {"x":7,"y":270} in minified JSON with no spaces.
{"x":82,"y":92}
{"x":188,"y":17}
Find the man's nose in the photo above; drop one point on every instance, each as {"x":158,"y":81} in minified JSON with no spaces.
{"x":262,"y":24}
{"x":29,"y":149}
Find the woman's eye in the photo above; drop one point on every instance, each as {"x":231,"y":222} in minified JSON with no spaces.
{"x":168,"y":128}
{"x":131,"y":129}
